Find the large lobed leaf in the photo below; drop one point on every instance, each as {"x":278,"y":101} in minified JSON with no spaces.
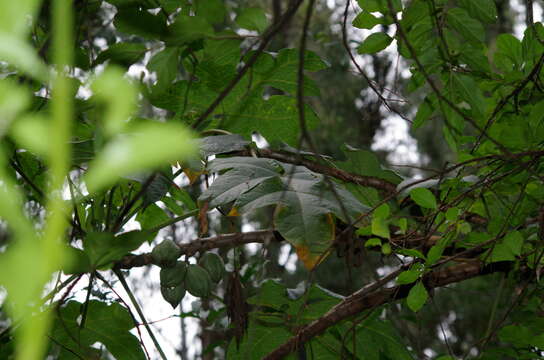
{"x":305,"y":200}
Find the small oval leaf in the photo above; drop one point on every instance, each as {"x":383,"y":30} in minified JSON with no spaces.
{"x":424,"y":198}
{"x":417,"y":297}
{"x":374,"y":43}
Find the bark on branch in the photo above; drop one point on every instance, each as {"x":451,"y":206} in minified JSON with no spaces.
{"x":366,"y":300}
{"x":204,"y":244}
{"x":370,"y":181}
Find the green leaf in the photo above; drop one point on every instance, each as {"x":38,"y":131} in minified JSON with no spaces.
{"x":380,"y":227}
{"x":252,"y":19}
{"x":517,"y":335}
{"x":186,"y":29}
{"x":183,"y":196}
{"x":424,"y":112}
{"x":18,"y":53}
{"x":417,"y":297}
{"x":260,"y":340}
{"x":373,"y":242}
{"x":382,"y":211}
{"x":379,"y":5}
{"x":212,"y":10}
{"x":151,"y":217}
{"x":374,"y":43}
{"x":31,"y":131}
{"x":365,"y":162}
{"x":305,"y":202}
{"x":508,"y":45}
{"x":135,"y":20}
{"x":276,"y":119}
{"x":509,"y":248}
{"x":416,"y":254}
{"x":469,"y":91}
{"x":14,"y":17}
{"x":165,"y":65}
{"x":416,"y":11}
{"x":147,"y":146}
{"x":531,"y":46}
{"x":124,"y":54}
{"x":434,"y":254}
{"x":106,"y":88}
{"x":365,"y":20}
{"x":376,"y":339}
{"x":536,"y":121}
{"x":408,"y":277}
{"x":475,"y":58}
{"x":484,"y":10}
{"x":386,"y":249}
{"x":281,"y":72}
{"x":108,"y":324}
{"x":471,"y":29}
{"x":424,"y":198}
{"x":104,"y":248}
{"x":245,"y":174}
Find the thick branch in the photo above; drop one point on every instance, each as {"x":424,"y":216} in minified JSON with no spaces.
{"x":204,"y":244}
{"x":363,"y":300}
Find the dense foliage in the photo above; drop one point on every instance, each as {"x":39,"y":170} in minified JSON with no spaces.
{"x":124,"y":113}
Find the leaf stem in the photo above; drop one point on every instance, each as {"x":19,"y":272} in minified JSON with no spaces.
{"x":140,"y":312}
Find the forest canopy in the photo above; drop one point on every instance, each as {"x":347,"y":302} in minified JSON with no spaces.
{"x":222,"y":156}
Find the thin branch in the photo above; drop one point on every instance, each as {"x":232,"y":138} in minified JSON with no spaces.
{"x":267,"y":37}
{"x":435,"y":88}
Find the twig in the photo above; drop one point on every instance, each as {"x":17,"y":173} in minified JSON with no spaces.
{"x":267,"y":36}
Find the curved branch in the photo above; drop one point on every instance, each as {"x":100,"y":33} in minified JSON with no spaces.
{"x":290,"y":158}
{"x":364,"y":300}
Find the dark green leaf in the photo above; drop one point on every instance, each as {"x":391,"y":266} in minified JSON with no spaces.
{"x":365,"y":20}
{"x":108,"y":324}
{"x":103,"y":248}
{"x":186,"y":29}
{"x":138,"y":21}
{"x":424,"y":112}
{"x":469,"y":91}
{"x":508,"y":248}
{"x":212,"y":10}
{"x":471,"y":29}
{"x":509,"y":46}
{"x":424,"y":198}
{"x":124,"y":54}
{"x":366,"y":163}
{"x":417,"y":297}
{"x":152,"y":216}
{"x":484,"y":10}
{"x":374,"y":43}
{"x":165,"y":65}
{"x":252,"y":19}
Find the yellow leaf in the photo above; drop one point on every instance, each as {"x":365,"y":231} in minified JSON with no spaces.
{"x":233,"y":212}
{"x":192,"y":175}
{"x":310,"y":258}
